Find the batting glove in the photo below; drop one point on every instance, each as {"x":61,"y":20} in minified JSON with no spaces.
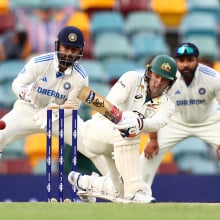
{"x":130,"y":124}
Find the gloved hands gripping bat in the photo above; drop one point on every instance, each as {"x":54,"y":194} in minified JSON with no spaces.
{"x":129,"y":123}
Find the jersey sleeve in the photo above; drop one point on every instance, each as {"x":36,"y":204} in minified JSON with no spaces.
{"x":217,"y":88}
{"x":26,"y":77}
{"x":165,"y":110}
{"x":122,"y":88}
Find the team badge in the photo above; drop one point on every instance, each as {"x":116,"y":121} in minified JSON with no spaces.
{"x":72,"y":37}
{"x":166,"y":67}
{"x":66,"y":85}
{"x":202,"y":91}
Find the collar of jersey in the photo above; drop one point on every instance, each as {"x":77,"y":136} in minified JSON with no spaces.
{"x":68,"y":71}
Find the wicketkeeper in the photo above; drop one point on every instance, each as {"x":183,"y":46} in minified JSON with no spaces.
{"x":53,"y":78}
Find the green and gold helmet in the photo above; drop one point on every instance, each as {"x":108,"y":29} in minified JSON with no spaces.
{"x":164,"y":66}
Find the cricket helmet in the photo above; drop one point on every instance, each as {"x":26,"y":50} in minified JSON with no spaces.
{"x":164,"y":66}
{"x":71,"y":36}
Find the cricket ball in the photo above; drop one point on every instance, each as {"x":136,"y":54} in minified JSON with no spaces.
{"x":2,"y":125}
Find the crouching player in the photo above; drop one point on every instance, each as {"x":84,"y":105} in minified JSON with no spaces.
{"x":53,"y":78}
{"x":142,"y":97}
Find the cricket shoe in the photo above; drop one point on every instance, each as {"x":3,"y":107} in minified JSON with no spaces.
{"x":87,"y":190}
{"x":73,"y":179}
{"x":139,"y":197}
{"x":142,"y":197}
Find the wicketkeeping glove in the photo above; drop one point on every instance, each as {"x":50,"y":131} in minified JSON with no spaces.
{"x":26,"y":92}
{"x":40,"y":117}
{"x":130,"y":124}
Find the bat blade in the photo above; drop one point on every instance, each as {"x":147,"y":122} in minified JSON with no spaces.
{"x":100,"y":104}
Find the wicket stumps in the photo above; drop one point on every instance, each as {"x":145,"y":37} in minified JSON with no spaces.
{"x":49,"y":133}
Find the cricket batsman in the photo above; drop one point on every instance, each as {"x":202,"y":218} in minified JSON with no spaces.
{"x":142,"y":97}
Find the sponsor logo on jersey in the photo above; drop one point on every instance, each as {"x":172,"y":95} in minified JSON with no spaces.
{"x":190,"y":102}
{"x":122,"y":84}
{"x":139,"y":96}
{"x":51,"y":93}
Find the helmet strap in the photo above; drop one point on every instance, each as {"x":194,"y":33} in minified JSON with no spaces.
{"x":147,"y":71}
{"x":57,"y":44}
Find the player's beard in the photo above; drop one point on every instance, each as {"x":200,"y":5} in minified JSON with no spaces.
{"x":65,"y":63}
{"x":66,"y":60}
{"x":188,"y":73}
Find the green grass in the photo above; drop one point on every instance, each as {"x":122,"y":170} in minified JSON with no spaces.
{"x":107,"y":211}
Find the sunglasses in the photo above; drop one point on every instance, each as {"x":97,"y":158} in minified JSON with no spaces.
{"x":185,"y":50}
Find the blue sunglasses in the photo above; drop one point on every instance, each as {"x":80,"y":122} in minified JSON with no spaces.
{"x":186,"y":50}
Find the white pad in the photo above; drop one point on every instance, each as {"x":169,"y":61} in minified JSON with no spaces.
{"x":128,"y":164}
{"x":114,"y":174}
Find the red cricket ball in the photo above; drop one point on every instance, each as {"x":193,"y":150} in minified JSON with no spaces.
{"x":2,"y":125}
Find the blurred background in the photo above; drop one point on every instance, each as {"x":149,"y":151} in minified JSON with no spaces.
{"x":120,"y":35}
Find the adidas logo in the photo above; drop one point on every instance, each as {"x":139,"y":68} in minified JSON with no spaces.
{"x":44,"y":79}
{"x":177,"y":92}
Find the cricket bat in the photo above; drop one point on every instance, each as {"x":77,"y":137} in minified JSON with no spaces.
{"x":100,"y":104}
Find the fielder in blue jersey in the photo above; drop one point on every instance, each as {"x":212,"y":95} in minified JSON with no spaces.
{"x":196,"y":95}
{"x":49,"y":79}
